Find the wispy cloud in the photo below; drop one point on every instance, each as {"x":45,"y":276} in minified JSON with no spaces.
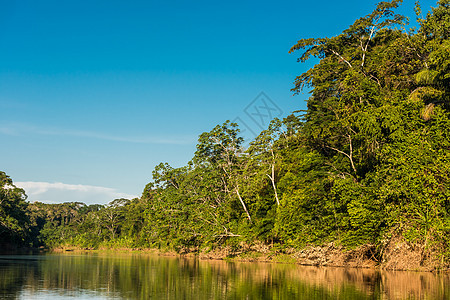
{"x":58,"y":192}
{"x":18,"y":129}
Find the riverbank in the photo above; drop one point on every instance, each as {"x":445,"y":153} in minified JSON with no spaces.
{"x":124,"y":274}
{"x":398,"y":255}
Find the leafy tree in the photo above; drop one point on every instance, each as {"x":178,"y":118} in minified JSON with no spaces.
{"x":14,"y":221}
{"x":113,"y":215}
{"x":379,"y":95}
{"x":221,"y":149}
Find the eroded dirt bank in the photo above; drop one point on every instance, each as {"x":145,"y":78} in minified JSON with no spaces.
{"x":396,"y":255}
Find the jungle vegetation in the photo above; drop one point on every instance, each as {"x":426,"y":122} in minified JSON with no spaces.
{"x":369,"y":160}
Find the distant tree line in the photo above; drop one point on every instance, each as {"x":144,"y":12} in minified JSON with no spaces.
{"x":367,"y":162}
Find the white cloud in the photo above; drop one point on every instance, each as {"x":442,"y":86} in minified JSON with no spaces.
{"x":18,"y":129}
{"x":58,"y":192}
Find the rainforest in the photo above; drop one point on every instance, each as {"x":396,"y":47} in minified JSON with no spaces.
{"x":362,"y":174}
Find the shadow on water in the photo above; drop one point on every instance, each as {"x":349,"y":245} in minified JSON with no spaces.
{"x":132,"y":276}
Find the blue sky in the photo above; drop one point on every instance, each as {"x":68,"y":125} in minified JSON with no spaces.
{"x":94,"y":94}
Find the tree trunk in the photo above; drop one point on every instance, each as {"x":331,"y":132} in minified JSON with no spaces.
{"x":272,"y":179}
{"x":243,"y":204}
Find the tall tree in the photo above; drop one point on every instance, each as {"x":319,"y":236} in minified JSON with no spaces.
{"x":221,"y":149}
{"x":14,"y":221}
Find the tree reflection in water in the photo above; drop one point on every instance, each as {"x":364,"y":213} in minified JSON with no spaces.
{"x":141,"y":276}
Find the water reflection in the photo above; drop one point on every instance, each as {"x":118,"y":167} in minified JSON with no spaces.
{"x":94,"y":276}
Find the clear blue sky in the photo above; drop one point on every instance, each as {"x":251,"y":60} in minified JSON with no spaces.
{"x":94,"y":94}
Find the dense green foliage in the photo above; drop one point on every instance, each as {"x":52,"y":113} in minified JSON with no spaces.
{"x":369,"y":160}
{"x":14,"y":221}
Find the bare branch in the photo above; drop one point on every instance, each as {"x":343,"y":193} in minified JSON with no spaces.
{"x":372,"y":31}
{"x":343,"y":59}
{"x":350,"y":156}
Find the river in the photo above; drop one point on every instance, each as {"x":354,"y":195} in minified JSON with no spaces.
{"x":148,"y":276}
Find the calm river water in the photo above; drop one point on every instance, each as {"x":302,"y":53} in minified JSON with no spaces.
{"x":141,"y":276}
